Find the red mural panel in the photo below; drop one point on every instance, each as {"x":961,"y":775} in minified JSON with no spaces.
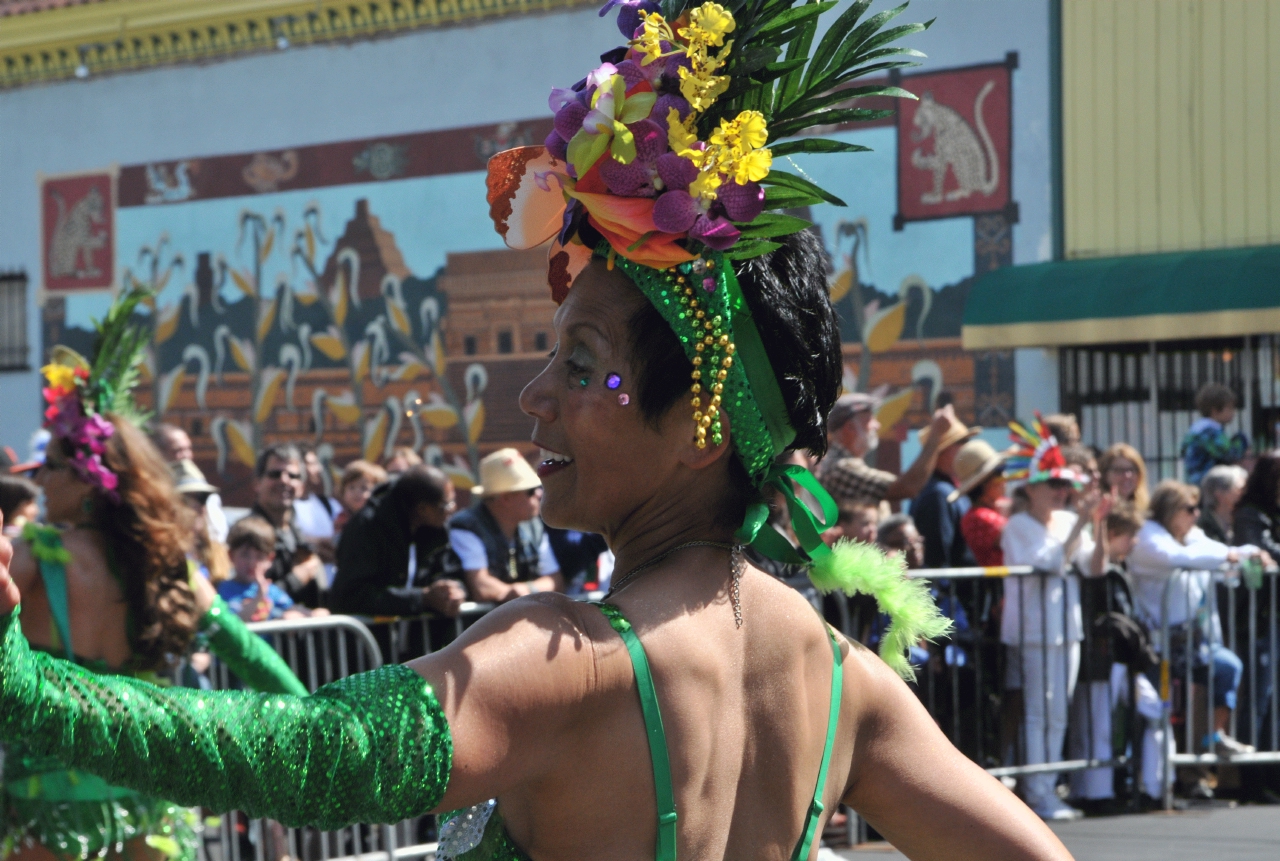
{"x":77,"y":215}
{"x":955,"y":144}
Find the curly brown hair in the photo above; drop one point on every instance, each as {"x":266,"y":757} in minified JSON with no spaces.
{"x":148,"y":532}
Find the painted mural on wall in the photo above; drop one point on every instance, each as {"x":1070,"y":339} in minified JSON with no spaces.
{"x":77,"y":221}
{"x":354,"y":295}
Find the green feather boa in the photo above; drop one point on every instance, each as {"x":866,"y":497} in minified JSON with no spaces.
{"x":853,"y":567}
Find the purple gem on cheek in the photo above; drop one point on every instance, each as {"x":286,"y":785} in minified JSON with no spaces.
{"x":624,"y":399}
{"x":613,"y":381}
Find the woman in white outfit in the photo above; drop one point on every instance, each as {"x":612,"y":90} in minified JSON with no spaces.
{"x":1041,"y":621}
{"x":1170,"y":545}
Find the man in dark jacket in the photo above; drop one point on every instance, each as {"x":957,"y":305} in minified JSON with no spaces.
{"x":500,"y":540}
{"x":937,"y":518}
{"x":394,"y":557}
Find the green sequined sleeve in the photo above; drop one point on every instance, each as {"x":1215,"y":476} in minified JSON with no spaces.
{"x":246,"y":654}
{"x":373,"y":747}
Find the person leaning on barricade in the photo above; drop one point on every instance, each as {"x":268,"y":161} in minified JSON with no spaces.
{"x":1171,"y":547}
{"x":394,"y":557}
{"x":1220,"y":490}
{"x":277,"y":483}
{"x":1116,"y":650}
{"x":503,"y":546}
{"x":1041,"y":625}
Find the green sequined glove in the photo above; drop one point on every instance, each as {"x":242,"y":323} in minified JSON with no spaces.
{"x":246,"y":654}
{"x":373,"y":747}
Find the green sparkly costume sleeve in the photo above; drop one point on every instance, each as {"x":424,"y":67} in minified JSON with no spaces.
{"x":371,"y":748}
{"x":246,"y":654}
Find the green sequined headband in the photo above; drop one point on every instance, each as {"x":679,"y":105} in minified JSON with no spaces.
{"x":703,"y":304}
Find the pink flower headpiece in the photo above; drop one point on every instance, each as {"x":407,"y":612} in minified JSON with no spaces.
{"x":86,"y":431}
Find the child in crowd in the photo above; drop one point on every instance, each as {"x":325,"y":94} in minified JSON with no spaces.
{"x":355,"y":487}
{"x":857,"y":522}
{"x":19,"y":502}
{"x":897,"y":535}
{"x":1207,"y":443}
{"x":252,"y":542}
{"x":1109,"y":616}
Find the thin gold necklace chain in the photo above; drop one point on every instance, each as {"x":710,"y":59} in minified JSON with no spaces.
{"x":736,"y":566}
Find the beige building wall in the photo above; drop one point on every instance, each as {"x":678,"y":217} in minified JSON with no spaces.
{"x":1171,"y":125}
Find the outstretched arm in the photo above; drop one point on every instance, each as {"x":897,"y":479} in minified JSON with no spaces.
{"x":374,"y":747}
{"x":906,"y":775}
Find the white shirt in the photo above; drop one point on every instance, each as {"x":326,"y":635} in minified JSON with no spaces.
{"x":1157,"y":556}
{"x":471,"y":553}
{"x":311,"y":519}
{"x":1035,"y":607}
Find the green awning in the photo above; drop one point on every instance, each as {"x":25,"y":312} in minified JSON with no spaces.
{"x":1149,"y":297}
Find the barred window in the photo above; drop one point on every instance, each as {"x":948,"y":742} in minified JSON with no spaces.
{"x":13,"y":321}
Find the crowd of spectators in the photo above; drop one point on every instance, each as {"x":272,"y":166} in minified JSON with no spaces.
{"x":1073,"y":642}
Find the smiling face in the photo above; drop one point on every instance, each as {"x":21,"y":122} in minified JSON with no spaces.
{"x":602,"y":462}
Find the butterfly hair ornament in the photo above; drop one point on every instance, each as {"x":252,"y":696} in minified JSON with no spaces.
{"x":663,"y":161}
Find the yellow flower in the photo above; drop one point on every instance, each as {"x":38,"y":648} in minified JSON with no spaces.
{"x":704,"y":187}
{"x":709,"y":24}
{"x":752,"y":130}
{"x":743,"y":134}
{"x":655,"y":31}
{"x":701,"y":89}
{"x":679,"y":137}
{"x":60,"y":377}
{"x":753,"y":166}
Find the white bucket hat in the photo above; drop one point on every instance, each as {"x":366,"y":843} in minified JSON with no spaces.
{"x":504,"y":471}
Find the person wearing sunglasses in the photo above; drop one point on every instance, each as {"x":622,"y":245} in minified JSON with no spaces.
{"x":500,"y":539}
{"x":278,"y":483}
{"x":1170,"y":545}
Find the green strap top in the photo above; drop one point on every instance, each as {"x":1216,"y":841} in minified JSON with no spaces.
{"x":52,"y":557}
{"x":666,"y":849}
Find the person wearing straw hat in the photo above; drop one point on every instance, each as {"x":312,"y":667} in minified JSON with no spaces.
{"x":853,"y":432}
{"x":500,"y":540}
{"x":936,"y":514}
{"x":980,"y":470}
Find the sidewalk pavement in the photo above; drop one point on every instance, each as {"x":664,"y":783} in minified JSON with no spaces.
{"x":1207,"y":834}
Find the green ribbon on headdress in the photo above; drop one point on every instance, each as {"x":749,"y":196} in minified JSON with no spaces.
{"x":761,"y":430}
{"x":761,"y":426}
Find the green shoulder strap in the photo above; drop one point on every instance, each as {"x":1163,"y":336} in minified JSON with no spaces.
{"x":666,"y":850}
{"x":811,"y":818}
{"x":46,"y":545}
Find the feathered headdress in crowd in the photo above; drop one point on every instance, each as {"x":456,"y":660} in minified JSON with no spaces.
{"x":1038,"y":457}
{"x":80,"y":394}
{"x":664,"y":161}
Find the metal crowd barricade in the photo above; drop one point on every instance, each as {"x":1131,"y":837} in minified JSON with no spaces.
{"x":1260,"y":677}
{"x":319,"y":650}
{"x":990,"y":670}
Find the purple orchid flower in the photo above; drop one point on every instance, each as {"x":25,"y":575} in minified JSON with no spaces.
{"x":557,"y":146}
{"x":714,"y":231}
{"x":629,"y":13}
{"x":636,"y":179}
{"x":741,"y":202}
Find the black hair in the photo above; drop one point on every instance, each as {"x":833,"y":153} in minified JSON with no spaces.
{"x":1261,"y":489}
{"x":418,"y":485}
{"x":15,"y":492}
{"x":892,"y":525}
{"x":786,"y":292}
{"x":280,"y":451}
